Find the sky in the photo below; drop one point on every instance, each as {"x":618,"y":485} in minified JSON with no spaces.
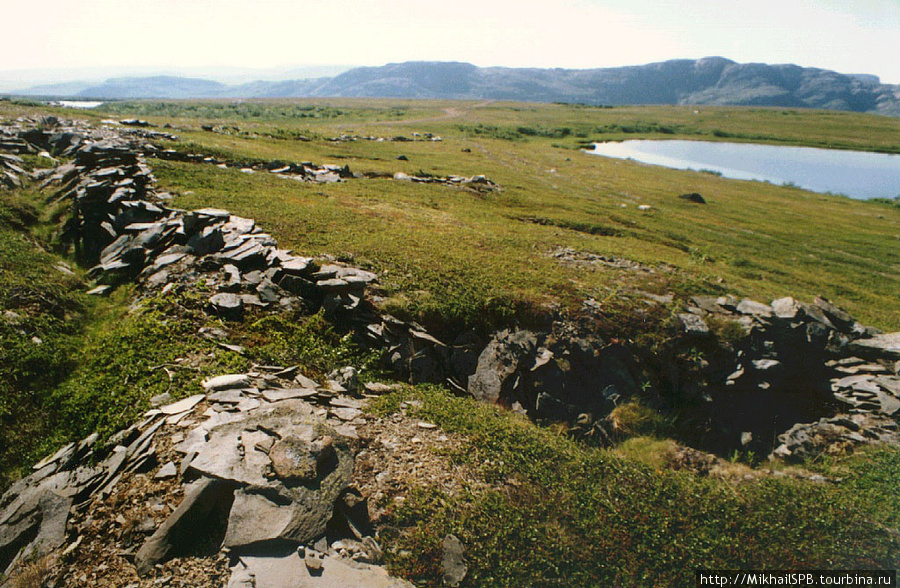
{"x":850,"y":36}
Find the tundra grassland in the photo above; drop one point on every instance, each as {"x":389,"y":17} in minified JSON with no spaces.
{"x":469,"y":256}
{"x":542,"y":509}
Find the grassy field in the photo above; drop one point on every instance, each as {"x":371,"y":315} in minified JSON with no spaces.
{"x":475,"y":257}
{"x":542,"y":510}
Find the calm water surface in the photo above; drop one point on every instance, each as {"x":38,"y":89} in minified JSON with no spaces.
{"x":854,"y":173}
{"x":75,"y":103}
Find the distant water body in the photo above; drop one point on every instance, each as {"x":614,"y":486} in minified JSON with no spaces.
{"x":853,"y":173}
{"x":75,"y":103}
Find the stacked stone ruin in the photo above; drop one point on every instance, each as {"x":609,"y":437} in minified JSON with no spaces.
{"x":809,"y":368}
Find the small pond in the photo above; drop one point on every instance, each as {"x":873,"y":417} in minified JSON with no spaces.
{"x":852,"y":173}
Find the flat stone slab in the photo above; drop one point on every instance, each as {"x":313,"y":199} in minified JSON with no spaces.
{"x":291,"y":570}
{"x":752,"y":307}
{"x":276,"y":395}
{"x":183,"y":405}
{"x":886,"y":345}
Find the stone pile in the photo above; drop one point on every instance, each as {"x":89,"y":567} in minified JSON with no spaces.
{"x":809,"y":374}
{"x":479,"y":183}
{"x":267,"y":452}
{"x":325,"y":174}
{"x":122,"y":224}
{"x":111,"y":189}
{"x":45,"y":134}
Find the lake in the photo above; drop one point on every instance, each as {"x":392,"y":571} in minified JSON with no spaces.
{"x":853,"y":173}
{"x":75,"y":103}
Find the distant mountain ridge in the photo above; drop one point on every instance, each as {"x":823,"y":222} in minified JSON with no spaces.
{"x":711,"y":80}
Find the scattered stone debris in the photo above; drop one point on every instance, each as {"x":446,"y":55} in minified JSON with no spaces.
{"x":272,"y":473}
{"x":134,"y":122}
{"x":325,"y":174}
{"x":583,"y":258}
{"x":395,"y":139}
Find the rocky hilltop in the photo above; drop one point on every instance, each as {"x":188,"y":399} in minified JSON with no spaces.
{"x":270,"y":479}
{"x":712,"y":80}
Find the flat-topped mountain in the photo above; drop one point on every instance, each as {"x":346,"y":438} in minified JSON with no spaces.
{"x":711,"y":80}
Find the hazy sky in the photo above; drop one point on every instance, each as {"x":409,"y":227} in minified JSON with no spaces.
{"x":851,"y":36}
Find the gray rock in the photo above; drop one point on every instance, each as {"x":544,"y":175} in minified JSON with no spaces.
{"x":709,"y":304}
{"x":207,"y":241}
{"x":498,"y":363}
{"x":169,"y":470}
{"x":232,"y":279}
{"x":277,"y":395}
{"x":785,"y":308}
{"x":279,"y":569}
{"x":334,"y":286}
{"x":227,"y":396}
{"x":347,"y":377}
{"x":228,"y":306}
{"x":227,"y":382}
{"x":753,"y":308}
{"x":266,"y":506}
{"x":183,"y":405}
{"x":299,"y":266}
{"x":693,"y":197}
{"x":268,"y":292}
{"x":34,"y":523}
{"x":453,"y":564}
{"x":884,"y":346}
{"x":693,"y":324}
{"x":838,"y":317}
{"x":186,"y":523}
